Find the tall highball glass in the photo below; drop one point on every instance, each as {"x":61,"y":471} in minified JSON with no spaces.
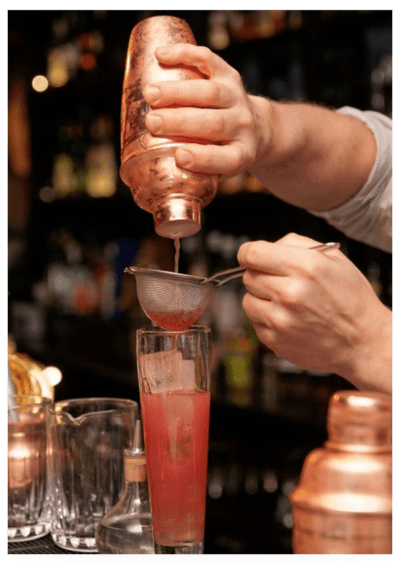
{"x":174,"y":380}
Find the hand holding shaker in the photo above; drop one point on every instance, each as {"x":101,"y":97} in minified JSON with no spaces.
{"x":343,"y":502}
{"x":173,"y":195}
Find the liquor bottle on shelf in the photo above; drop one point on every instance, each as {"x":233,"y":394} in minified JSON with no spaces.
{"x":64,"y":179}
{"x":127,"y":526}
{"x":294,"y":390}
{"x":101,"y":165}
{"x":235,"y":335}
{"x":106,"y":280}
{"x":269,"y":380}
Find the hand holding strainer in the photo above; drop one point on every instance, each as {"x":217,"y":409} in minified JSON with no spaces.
{"x":175,"y":301}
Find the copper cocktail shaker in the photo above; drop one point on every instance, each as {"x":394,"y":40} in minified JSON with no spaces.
{"x":173,"y":195}
{"x":343,"y":502}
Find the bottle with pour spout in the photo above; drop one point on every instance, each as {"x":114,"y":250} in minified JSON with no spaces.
{"x":127,"y":526}
{"x":173,"y":195}
{"x":343,"y":502}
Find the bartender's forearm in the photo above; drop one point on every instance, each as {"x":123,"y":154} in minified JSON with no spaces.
{"x":312,"y":157}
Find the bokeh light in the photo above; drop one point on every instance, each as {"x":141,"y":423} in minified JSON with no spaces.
{"x":40,"y":83}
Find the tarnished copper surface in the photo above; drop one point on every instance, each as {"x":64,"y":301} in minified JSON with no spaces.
{"x":343,"y":502}
{"x":174,"y":196}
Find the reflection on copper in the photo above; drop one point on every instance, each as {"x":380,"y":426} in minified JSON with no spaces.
{"x":173,"y":195}
{"x":343,"y":502}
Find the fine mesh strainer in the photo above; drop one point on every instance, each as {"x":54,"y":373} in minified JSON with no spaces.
{"x":175,"y":301}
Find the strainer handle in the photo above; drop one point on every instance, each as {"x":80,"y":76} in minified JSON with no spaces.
{"x":237,"y":270}
{"x":233,"y":276}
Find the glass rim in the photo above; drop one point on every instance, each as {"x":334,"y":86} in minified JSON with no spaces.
{"x":195,"y":329}
{"x":41,"y":400}
{"x":74,"y":401}
{"x":29,"y":395}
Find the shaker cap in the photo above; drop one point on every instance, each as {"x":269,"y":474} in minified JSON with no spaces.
{"x":357,"y":417}
{"x":356,"y":405}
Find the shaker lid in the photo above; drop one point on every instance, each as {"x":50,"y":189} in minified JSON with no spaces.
{"x":356,"y":405}
{"x":357,"y":417}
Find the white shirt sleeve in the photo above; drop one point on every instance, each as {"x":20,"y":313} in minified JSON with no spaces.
{"x":367,"y":216}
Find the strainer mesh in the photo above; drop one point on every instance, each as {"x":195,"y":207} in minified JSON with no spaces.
{"x":172,"y":304}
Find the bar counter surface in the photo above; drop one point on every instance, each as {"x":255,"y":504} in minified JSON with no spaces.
{"x":37,"y":546}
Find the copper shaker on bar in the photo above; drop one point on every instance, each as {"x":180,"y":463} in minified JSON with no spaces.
{"x":173,"y":195}
{"x":343,"y":502}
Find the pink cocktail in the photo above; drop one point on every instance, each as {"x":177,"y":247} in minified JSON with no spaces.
{"x":175,"y":403}
{"x":175,"y":320}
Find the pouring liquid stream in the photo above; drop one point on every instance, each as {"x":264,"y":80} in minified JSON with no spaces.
{"x":177,"y":243}
{"x":175,"y":320}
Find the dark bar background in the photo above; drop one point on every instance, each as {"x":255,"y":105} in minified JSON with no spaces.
{"x":266,"y":414}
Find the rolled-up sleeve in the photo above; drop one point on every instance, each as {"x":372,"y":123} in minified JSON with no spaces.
{"x":367,"y":216}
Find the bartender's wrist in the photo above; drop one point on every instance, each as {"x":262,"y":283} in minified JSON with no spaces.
{"x":370,"y":366}
{"x":281,"y":133}
{"x":265,"y":122}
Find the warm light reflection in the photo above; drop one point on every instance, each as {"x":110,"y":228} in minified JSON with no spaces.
{"x":57,"y":68}
{"x":360,"y":401}
{"x":19,"y":466}
{"x":88,"y":61}
{"x":64,"y":178}
{"x":218,"y":36}
{"x":53,"y":375}
{"x":21,"y":452}
{"x":40,"y":83}
{"x":270,"y":482}
{"x":102,"y":171}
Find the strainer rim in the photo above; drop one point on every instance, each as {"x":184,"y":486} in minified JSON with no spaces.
{"x":171,"y":275}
